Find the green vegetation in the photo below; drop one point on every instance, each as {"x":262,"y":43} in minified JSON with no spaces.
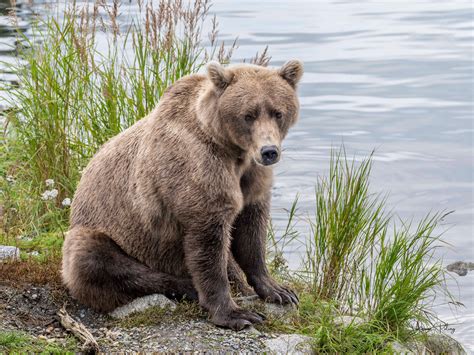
{"x":365,"y":282}
{"x":360,"y":263}
{"x":73,"y":96}
{"x":19,"y":342}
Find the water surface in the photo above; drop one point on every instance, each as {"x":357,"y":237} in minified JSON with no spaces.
{"x":394,"y":76}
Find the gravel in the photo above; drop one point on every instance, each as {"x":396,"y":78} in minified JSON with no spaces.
{"x":33,"y":310}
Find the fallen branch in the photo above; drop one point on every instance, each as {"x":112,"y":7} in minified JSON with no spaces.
{"x":79,"y":330}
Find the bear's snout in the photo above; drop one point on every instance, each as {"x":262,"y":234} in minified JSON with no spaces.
{"x":270,"y":154}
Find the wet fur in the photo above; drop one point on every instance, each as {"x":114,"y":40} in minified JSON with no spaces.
{"x":177,"y":204}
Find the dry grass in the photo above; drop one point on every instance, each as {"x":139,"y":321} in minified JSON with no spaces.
{"x":32,"y":271}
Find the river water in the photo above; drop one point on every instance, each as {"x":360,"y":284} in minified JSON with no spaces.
{"x":394,"y":76}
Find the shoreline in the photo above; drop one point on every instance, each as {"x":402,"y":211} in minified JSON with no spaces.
{"x":154,"y":328}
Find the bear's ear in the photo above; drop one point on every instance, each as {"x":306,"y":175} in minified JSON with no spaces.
{"x":220,"y":77}
{"x":291,"y":71}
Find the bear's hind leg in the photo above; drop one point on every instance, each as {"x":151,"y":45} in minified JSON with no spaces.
{"x":99,"y":274}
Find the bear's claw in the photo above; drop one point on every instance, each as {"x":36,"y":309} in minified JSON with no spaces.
{"x":270,"y":291}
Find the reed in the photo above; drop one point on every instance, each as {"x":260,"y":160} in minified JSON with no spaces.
{"x":83,"y":77}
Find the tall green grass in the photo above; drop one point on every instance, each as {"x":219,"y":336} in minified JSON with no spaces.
{"x":362,"y":261}
{"x":85,"y":76}
{"x":358,"y":256}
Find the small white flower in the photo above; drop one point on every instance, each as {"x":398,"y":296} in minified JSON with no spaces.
{"x":49,"y":182}
{"x":66,"y":202}
{"x":10,"y":179}
{"x":54,"y":193}
{"x":25,"y":238}
{"x":49,"y":194}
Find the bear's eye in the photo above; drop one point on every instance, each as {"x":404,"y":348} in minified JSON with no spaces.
{"x":249,"y":117}
{"x":278,"y":114}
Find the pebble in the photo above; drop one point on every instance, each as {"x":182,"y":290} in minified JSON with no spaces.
{"x":460,"y":267}
{"x":8,"y":252}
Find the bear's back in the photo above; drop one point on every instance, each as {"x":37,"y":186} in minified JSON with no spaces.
{"x":106,"y":196}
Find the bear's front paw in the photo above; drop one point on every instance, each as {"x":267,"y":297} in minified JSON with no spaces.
{"x":270,"y":291}
{"x":237,"y":319}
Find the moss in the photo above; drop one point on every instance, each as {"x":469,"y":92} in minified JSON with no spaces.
{"x":156,"y":315}
{"x":44,"y":242}
{"x":21,"y":342}
{"x":318,"y":319}
{"x":32,"y":271}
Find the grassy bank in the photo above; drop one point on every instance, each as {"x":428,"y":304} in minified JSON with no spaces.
{"x":73,"y":96}
{"x":362,"y":262}
{"x":85,"y":76}
{"x":14,"y":341}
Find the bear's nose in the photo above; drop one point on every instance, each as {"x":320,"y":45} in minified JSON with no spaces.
{"x":269,"y":154}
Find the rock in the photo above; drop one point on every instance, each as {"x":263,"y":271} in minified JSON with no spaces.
{"x":289,"y":344}
{"x":460,"y":267}
{"x":282,"y":312}
{"x":436,"y":343}
{"x":273,"y":310}
{"x":143,"y":303}
{"x":9,"y":253}
{"x":399,"y":348}
{"x":250,"y":331}
{"x":440,"y":343}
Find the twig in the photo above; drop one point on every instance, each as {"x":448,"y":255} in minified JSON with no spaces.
{"x":79,"y":330}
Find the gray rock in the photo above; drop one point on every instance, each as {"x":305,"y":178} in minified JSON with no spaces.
{"x":282,"y":312}
{"x":460,"y":267}
{"x":289,"y":344}
{"x":250,"y":331}
{"x":399,"y":348}
{"x":9,"y":253}
{"x":273,"y":310}
{"x":436,"y":343}
{"x":440,"y":343}
{"x":142,"y":303}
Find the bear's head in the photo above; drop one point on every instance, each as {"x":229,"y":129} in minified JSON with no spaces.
{"x":251,"y":107}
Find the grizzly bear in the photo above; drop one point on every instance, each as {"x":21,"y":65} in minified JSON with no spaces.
{"x":179,"y":202}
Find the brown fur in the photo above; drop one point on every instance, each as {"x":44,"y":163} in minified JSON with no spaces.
{"x":179,"y":202}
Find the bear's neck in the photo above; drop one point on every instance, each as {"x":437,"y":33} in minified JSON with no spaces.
{"x":209,"y":124}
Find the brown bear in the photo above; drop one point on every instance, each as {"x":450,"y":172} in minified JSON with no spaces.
{"x":179,"y":203}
